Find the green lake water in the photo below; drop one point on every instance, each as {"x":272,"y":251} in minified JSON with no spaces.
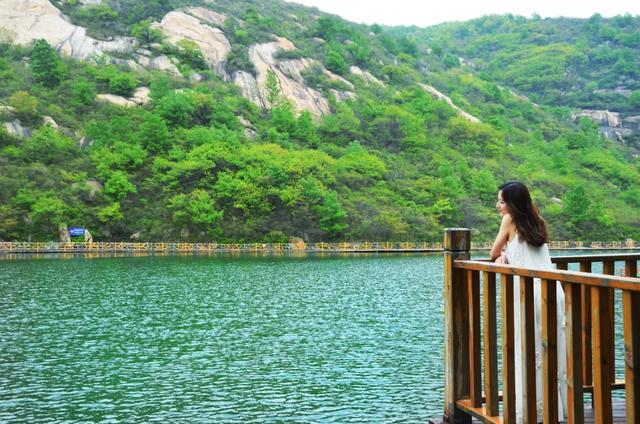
{"x":221,"y":339}
{"x":181,"y":339}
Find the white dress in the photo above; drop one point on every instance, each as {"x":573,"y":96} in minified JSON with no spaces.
{"x":520,"y":253}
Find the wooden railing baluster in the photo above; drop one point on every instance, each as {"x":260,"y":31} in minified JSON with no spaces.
{"x":602,"y":366}
{"x":608,"y":268}
{"x":631,"y":316}
{"x":573,"y":317}
{"x":527,"y":336}
{"x":475,"y":358}
{"x":587,"y":363}
{"x":549,"y":351}
{"x":490,"y":344}
{"x":508,"y":358}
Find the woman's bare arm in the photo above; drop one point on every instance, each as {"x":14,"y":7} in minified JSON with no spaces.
{"x":502,"y":237}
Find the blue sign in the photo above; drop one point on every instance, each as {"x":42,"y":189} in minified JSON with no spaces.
{"x":75,"y":231}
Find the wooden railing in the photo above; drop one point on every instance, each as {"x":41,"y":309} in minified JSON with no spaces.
{"x":589,"y":314}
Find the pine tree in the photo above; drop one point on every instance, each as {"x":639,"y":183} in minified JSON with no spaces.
{"x":45,"y":64}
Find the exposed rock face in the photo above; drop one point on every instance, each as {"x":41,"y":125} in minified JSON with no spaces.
{"x":47,"y":120}
{"x":366,"y":76}
{"x":93,"y":189}
{"x":613,"y":125}
{"x":30,"y":20}
{"x":161,"y":63}
{"x":116,"y":100}
{"x":438,"y":95}
{"x":15,"y":128}
{"x":140,"y":97}
{"x":249,"y":87}
{"x":207,"y":15}
{"x":289,"y":75}
{"x":214,"y":45}
{"x":602,"y":117}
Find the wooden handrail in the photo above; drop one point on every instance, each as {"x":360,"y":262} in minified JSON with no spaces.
{"x":589,"y":312}
{"x":584,"y":278}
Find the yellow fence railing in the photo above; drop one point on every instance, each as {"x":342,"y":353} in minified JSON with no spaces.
{"x":361,"y":246}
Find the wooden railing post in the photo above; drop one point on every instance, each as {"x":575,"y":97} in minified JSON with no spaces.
{"x":457,"y":244}
{"x":631,"y":317}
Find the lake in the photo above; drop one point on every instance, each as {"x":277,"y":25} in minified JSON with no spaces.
{"x":335,"y":338}
{"x":185,"y":339}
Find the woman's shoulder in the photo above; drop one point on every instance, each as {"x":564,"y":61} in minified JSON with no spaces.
{"x":507,"y":219}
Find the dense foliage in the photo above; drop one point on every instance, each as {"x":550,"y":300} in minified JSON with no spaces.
{"x":392,"y":164}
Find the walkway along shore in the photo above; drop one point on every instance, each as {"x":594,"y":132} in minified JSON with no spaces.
{"x":355,"y":247}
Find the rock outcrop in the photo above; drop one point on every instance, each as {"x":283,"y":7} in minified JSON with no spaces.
{"x":366,"y":76}
{"x":438,"y":95}
{"x":140,"y":97}
{"x":303,"y":97}
{"x":604,"y":118}
{"x":214,"y":45}
{"x":30,"y":20}
{"x":610,"y":122}
{"x":16,"y":129}
{"x":289,"y":74}
{"x":207,"y":15}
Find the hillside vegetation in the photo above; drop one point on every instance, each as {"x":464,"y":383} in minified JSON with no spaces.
{"x":201,"y":162}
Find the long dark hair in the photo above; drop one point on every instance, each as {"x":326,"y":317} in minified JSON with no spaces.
{"x":530,"y":225}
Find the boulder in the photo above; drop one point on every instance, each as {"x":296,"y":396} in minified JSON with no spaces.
{"x":116,"y":100}
{"x":141,"y":96}
{"x":31,"y":20}
{"x":366,"y":76}
{"x":47,"y":120}
{"x":16,"y":129}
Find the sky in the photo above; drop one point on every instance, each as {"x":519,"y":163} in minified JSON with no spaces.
{"x":425,"y":12}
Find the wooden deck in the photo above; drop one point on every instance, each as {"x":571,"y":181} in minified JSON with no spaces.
{"x":619,"y":414}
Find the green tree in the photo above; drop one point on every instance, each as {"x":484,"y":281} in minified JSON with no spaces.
{"x":24,"y":104}
{"x":196,"y":211}
{"x":274,"y":91}
{"x":118,"y":186}
{"x":154,"y":133}
{"x":177,"y":109}
{"x":145,"y":33}
{"x":123,"y":84}
{"x":84,"y":91}
{"x":45,"y":64}
{"x":335,"y":60}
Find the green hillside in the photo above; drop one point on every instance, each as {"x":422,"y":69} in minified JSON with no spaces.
{"x":201,"y":162}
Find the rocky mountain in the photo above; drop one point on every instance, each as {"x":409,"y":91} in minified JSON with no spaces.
{"x":236,"y":120}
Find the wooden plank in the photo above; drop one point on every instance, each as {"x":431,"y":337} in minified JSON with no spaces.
{"x":573,"y":317}
{"x":588,"y":279}
{"x":490,"y":344}
{"x":601,"y":338}
{"x":479,"y":413}
{"x":608,"y":268}
{"x":596,"y":258}
{"x":587,"y":363}
{"x":508,"y":352}
{"x":549,"y":351}
{"x":631,"y":319}
{"x":528,"y":351}
{"x":475,"y":352}
{"x":456,"y":327}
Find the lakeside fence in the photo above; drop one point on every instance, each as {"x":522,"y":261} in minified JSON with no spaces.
{"x":365,"y":246}
{"x":472,"y":305}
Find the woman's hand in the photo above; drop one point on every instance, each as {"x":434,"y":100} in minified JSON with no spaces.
{"x":502,"y":260}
